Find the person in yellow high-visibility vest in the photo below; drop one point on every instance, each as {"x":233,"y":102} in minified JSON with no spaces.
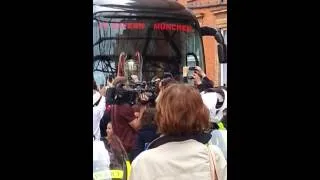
{"x":110,"y":159}
{"x":119,"y":161}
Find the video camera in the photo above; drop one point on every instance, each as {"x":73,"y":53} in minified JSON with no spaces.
{"x":145,"y":88}
{"x":131,"y":93}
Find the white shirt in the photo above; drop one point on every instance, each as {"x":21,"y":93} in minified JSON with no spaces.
{"x":219,"y":138}
{"x":100,"y":154}
{"x":210,"y":100}
{"x":98,"y":112}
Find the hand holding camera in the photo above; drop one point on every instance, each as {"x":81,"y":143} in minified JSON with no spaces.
{"x":200,"y":71}
{"x":197,"y":78}
{"x":135,"y":78}
{"x":196,"y":70}
{"x":144,"y":98}
{"x":103,"y":91}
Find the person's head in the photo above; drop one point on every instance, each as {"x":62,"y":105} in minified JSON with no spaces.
{"x":119,"y":80}
{"x":109,"y":130}
{"x":110,"y":78}
{"x":136,"y":110}
{"x":180,"y":111}
{"x":115,"y":147}
{"x":95,"y":87}
{"x":148,"y":116}
{"x":164,"y":83}
{"x":167,"y":75}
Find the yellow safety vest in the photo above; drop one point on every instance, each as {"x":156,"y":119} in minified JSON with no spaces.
{"x":221,"y":126}
{"x":115,"y":174}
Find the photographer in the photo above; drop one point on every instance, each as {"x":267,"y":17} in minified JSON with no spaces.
{"x":201,"y":81}
{"x":125,"y":123}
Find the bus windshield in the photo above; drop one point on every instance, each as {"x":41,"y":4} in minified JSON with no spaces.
{"x":163,"y":45}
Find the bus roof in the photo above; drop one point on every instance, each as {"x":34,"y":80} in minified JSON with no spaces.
{"x":158,"y":8}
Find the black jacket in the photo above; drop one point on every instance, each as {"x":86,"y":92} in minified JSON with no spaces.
{"x":145,"y":135}
{"x":205,"y":84}
{"x":103,"y":123}
{"x":203,"y":138}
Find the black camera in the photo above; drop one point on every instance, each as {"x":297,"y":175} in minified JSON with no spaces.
{"x":139,"y":85}
{"x":146,"y":88}
{"x":122,"y":94}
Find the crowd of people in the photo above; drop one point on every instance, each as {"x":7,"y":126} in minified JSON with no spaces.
{"x":179,"y":134}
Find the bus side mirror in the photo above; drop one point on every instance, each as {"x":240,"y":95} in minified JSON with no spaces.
{"x":208,"y":31}
{"x":222,"y":48}
{"x":222,"y":53}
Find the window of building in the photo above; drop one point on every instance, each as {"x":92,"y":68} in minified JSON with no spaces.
{"x":200,"y":18}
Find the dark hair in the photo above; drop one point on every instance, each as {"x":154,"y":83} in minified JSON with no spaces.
{"x":95,"y":85}
{"x":117,"y":152}
{"x":110,"y":95}
{"x":119,"y":80}
{"x":148,"y":116}
{"x":166,"y":82}
{"x":110,"y":78}
{"x":167,"y":75}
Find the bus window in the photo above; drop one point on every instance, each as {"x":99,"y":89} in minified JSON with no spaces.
{"x":163,"y":44}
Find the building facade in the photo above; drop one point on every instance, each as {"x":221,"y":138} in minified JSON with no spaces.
{"x":212,"y":13}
